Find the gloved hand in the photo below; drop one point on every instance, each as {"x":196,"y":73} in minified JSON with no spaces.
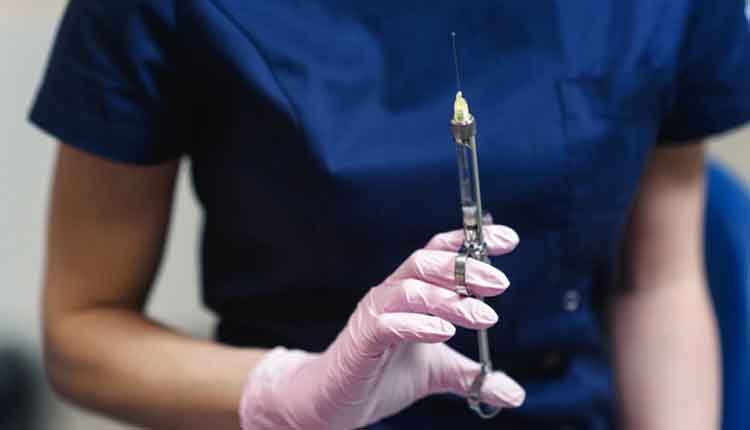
{"x":391,"y":352}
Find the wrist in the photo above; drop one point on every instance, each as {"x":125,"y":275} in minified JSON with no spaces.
{"x":270,"y":386}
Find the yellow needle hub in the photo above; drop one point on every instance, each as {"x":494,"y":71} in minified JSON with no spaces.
{"x":461,"y":114}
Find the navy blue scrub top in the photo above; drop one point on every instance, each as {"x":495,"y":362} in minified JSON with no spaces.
{"x":318,"y":135}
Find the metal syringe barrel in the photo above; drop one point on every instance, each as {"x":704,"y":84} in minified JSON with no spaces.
{"x":464,"y":129}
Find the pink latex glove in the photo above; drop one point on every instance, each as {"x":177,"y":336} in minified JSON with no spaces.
{"x":391,"y":352}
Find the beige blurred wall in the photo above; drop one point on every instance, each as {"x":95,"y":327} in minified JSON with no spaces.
{"x":734,"y":150}
{"x":26,"y":31}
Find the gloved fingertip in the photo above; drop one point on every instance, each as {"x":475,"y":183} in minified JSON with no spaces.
{"x":486,"y":280}
{"x":502,"y":391}
{"x":501,"y":239}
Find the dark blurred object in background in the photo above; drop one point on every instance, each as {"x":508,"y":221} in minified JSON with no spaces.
{"x":20,"y":391}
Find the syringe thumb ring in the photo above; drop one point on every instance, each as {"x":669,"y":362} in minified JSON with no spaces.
{"x":475,"y":393}
{"x":460,"y":273}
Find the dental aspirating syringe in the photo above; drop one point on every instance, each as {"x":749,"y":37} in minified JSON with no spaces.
{"x":464,"y":130}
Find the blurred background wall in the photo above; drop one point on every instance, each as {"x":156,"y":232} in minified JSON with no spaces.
{"x":26,"y":32}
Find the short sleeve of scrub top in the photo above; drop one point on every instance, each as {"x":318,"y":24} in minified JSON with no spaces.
{"x":712,"y":91}
{"x":110,"y":83}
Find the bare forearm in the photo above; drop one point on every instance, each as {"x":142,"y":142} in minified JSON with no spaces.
{"x":666,"y":356}
{"x":117,"y":362}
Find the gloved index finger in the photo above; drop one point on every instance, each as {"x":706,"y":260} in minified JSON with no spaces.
{"x":500,"y":240}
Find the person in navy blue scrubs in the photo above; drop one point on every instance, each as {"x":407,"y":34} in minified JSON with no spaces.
{"x":320,"y":151}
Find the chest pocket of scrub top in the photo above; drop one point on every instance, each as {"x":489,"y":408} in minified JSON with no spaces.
{"x":610,"y":122}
